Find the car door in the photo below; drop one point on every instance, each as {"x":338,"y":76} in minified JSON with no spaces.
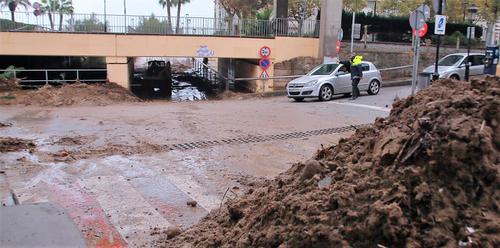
{"x":342,"y":80}
{"x":477,"y":65}
{"x":367,"y":74}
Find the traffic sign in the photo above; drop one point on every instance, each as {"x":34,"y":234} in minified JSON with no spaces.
{"x":423,"y":31}
{"x":264,"y":63}
{"x":264,"y":75}
{"x":436,"y":7}
{"x":265,"y":51}
{"x":426,"y":10}
{"x":357,"y":31}
{"x":471,"y":32}
{"x":417,"y":19}
{"x":440,"y":27}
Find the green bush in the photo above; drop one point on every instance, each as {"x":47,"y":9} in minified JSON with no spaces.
{"x":396,"y":28}
{"x":9,"y":73}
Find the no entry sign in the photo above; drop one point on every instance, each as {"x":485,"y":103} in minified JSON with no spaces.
{"x":264,"y":63}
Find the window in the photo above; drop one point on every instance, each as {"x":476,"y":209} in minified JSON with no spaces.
{"x":324,"y":69}
{"x":450,"y":60}
{"x":365,"y":67}
{"x":477,"y":60}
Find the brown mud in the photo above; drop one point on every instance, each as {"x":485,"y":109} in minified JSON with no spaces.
{"x":8,"y":144}
{"x":98,"y":94}
{"x":426,"y":176}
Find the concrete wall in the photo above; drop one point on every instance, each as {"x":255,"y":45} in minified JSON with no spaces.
{"x":114,"y":45}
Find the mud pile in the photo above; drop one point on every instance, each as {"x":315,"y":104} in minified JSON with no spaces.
{"x":8,"y":144}
{"x":426,"y":176}
{"x":98,"y":94}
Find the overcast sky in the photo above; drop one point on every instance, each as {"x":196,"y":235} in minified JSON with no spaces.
{"x":197,"y":8}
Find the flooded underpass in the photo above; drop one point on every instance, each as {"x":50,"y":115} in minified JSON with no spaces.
{"x":171,"y":79}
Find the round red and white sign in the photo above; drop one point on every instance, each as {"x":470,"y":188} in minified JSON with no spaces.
{"x":265,"y":51}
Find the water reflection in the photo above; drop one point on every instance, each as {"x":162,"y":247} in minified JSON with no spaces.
{"x":184,"y":91}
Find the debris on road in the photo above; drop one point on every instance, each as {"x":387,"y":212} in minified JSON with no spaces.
{"x":98,"y":94}
{"x":8,"y":144}
{"x":192,"y":203}
{"x":2,"y":124}
{"x":426,"y":176}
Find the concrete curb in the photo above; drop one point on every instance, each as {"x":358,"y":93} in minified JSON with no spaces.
{"x":403,"y":82}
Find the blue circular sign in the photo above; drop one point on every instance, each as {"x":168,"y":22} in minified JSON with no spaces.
{"x":264,"y":63}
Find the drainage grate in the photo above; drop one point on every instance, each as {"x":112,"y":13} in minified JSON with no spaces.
{"x":264,"y":138}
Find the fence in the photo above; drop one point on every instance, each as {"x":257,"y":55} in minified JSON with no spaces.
{"x":134,"y":24}
{"x":37,"y":77}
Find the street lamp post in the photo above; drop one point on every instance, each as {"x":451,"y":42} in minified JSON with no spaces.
{"x":105,"y":18}
{"x":472,"y":10}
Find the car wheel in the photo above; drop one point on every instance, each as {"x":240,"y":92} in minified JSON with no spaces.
{"x":325,"y":93}
{"x":455,"y":77}
{"x":299,"y":99}
{"x":374,"y":87}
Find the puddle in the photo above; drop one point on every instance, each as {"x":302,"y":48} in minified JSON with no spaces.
{"x":184,"y":91}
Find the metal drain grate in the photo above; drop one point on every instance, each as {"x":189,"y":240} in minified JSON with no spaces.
{"x":264,"y":138}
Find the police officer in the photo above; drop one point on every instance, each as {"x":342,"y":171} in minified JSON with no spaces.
{"x":356,"y":74}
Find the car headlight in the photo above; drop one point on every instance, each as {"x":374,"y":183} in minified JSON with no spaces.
{"x":311,"y":83}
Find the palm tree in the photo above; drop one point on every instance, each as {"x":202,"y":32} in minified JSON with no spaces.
{"x":65,"y":7}
{"x":178,"y":3}
{"x":12,"y":4}
{"x":167,"y":4}
{"x":57,"y":6}
{"x":49,"y":7}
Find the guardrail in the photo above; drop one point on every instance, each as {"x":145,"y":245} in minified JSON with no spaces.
{"x":160,"y":25}
{"x":56,"y":75}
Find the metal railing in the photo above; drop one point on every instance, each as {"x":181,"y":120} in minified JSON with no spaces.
{"x":57,"y":76}
{"x":161,"y":25}
{"x":208,"y":73}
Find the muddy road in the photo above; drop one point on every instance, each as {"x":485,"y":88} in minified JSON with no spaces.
{"x":125,"y":171}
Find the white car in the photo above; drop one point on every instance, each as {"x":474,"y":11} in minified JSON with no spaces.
{"x":330,"y":79}
{"x":453,"y":66}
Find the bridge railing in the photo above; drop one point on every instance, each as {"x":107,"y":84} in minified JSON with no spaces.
{"x":135,"y":24}
{"x":40,"y":77}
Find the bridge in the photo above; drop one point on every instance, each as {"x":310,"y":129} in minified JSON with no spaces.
{"x":118,"y":37}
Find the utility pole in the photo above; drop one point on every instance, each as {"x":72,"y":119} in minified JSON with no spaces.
{"x":435,"y":76}
{"x":352,"y":25}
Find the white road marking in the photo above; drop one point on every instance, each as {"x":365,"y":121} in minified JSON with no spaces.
{"x":362,"y":106}
{"x":126,"y":209}
{"x":187,"y":184}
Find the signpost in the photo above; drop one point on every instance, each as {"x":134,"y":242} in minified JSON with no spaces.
{"x":439,"y":8}
{"x":417,"y":22}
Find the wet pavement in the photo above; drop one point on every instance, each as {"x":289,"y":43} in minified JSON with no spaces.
{"x":113,"y":170}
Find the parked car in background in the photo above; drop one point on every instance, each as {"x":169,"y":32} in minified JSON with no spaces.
{"x":330,"y":79}
{"x":453,"y":66}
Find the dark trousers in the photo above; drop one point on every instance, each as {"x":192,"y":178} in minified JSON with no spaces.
{"x":355,"y":89}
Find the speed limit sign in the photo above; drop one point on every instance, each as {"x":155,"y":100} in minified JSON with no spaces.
{"x":265,"y":51}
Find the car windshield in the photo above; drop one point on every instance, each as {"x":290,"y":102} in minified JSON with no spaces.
{"x":450,"y":60}
{"x":324,"y":69}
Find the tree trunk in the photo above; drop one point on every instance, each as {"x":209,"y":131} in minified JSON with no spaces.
{"x":178,"y":17}
{"x":51,"y":21}
{"x":61,"y":16}
{"x":12,"y":16}
{"x":169,"y":17}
